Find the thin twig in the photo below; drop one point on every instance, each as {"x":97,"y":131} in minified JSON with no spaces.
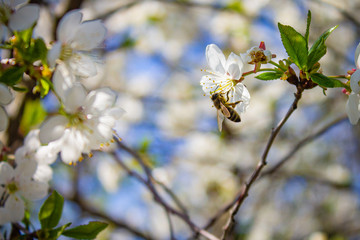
{"x":173,"y":196}
{"x":149,"y":184}
{"x":343,"y":12}
{"x":171,"y":228}
{"x":245,"y":191}
{"x":93,"y":211}
{"x":176,"y":2}
{"x":302,"y":143}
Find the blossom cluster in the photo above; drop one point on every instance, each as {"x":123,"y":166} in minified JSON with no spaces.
{"x":84,"y":122}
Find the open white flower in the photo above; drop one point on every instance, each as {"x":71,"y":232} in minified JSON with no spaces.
{"x":353,"y":103}
{"x":88,"y":125}
{"x":225,"y":78}
{"x":16,"y":184}
{"x":18,"y":15}
{"x":5,"y":98}
{"x":43,"y":155}
{"x":75,"y":39}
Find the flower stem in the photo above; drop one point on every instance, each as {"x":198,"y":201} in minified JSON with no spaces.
{"x":338,"y":76}
{"x":277,"y":65}
{"x":260,"y":70}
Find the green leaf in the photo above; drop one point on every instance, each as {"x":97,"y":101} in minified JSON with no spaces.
{"x":24,"y":37}
{"x":20,"y":88}
{"x":12,"y":75}
{"x":327,"y":82}
{"x":295,"y":45}
{"x":51,"y":210}
{"x":269,"y":76}
{"x":308,"y":21}
{"x":318,"y":49}
{"x":88,"y":231}
{"x":56,"y":233}
{"x":34,"y":114}
{"x":235,"y":6}
{"x":37,"y":50}
{"x":52,"y":234}
{"x":45,"y":87}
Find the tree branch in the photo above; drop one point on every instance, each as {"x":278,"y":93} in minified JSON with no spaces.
{"x":93,"y":211}
{"x":149,"y":184}
{"x":303,"y":143}
{"x":228,"y":228}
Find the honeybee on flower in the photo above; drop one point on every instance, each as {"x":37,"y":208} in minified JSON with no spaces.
{"x":225,"y":79}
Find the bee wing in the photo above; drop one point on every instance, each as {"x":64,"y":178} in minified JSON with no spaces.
{"x":220,"y":119}
{"x":224,"y":110}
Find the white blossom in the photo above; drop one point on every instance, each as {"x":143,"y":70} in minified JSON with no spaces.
{"x":75,"y":40}
{"x":43,"y":155}
{"x":87,"y":125}
{"x":225,"y":78}
{"x":353,"y":103}
{"x":16,"y":184}
{"x":256,"y":55}
{"x":5,"y":98}
{"x":18,"y":15}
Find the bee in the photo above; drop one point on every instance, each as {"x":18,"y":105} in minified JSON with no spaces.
{"x":225,"y":109}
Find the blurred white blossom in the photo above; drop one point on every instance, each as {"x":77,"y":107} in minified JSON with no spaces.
{"x":353,"y":103}
{"x":43,"y":155}
{"x":5,"y":98}
{"x":18,"y":15}
{"x":87,"y":125}
{"x":75,"y":40}
{"x":16,"y":184}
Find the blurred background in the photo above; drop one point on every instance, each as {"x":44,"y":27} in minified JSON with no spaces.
{"x":153,"y":56}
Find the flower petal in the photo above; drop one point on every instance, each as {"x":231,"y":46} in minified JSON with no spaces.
{"x":4,"y":120}
{"x":24,"y":17}
{"x":5,"y":95}
{"x":15,"y":3}
{"x":75,"y":98}
{"x":357,"y":56}
{"x":352,"y":108}
{"x":13,"y":210}
{"x":234,"y":66}
{"x":354,"y":81}
{"x":62,"y":80}
{"x":52,"y":129}
{"x":34,"y":190}
{"x":215,"y":58}
{"x":32,"y":142}
{"x":43,"y":173}
{"x":116,"y":112}
{"x":7,"y":172}
{"x":89,"y":35}
{"x":25,"y":170}
{"x":240,"y":93}
{"x":73,"y":145}
{"x":68,"y":26}
{"x":210,"y":83}
{"x":99,"y":100}
{"x":54,"y":54}
{"x":82,"y":65}
{"x":48,"y":154}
